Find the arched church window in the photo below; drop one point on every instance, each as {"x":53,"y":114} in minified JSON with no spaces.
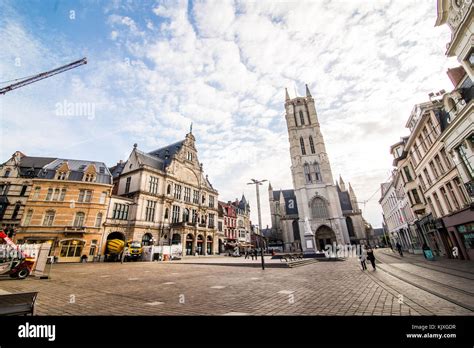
{"x":311,"y":144}
{"x":303,"y":150}
{"x":301,"y":117}
{"x":317,"y":171}
{"x":350,"y":227}
{"x":319,"y":208}
{"x":307,"y":173}
{"x":168,"y":189}
{"x":296,"y":123}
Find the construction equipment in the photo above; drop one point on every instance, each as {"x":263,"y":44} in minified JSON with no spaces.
{"x":115,"y":247}
{"x":31,"y":79}
{"x":17,"y":264}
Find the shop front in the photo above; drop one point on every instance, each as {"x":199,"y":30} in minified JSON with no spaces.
{"x":432,"y":230}
{"x":460,"y":227}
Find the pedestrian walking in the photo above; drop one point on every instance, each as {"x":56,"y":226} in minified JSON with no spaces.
{"x":246,"y":253}
{"x":371,"y":257}
{"x":399,"y":248}
{"x":362,"y":258}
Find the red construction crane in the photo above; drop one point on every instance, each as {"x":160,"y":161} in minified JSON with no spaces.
{"x":30,"y":79}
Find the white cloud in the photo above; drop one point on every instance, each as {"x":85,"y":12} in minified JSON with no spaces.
{"x":223,"y":65}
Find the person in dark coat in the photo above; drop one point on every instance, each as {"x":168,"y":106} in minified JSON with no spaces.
{"x":371,"y":257}
{"x":399,"y":248}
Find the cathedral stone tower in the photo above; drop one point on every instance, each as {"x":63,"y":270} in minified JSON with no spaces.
{"x":316,"y":194}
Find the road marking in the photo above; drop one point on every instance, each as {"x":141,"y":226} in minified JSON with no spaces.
{"x":168,"y":283}
{"x":236,"y":313}
{"x":133,"y":278}
{"x":217,"y":287}
{"x":254,"y":278}
{"x":285,"y":292}
{"x":104,"y":276}
{"x":154,"y":303}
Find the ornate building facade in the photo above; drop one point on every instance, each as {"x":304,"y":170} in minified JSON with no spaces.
{"x":173,"y":200}
{"x":316,"y":212}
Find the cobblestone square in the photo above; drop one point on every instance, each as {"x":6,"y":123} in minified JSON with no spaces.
{"x":235,"y":286}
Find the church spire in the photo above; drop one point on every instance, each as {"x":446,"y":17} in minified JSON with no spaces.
{"x":353,"y":198}
{"x":308,"y":93}
{"x":287,"y":96}
{"x":270,"y":188}
{"x":342,"y":185}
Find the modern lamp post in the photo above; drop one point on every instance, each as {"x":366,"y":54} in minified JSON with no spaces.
{"x":257,"y":183}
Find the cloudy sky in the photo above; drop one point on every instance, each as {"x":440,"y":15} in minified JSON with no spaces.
{"x":156,"y":66}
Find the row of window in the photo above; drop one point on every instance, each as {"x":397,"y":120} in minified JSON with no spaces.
{"x":178,"y":190}
{"x":312,"y":172}
{"x":120,"y":211}
{"x":301,"y":118}
{"x":59,"y":194}
{"x":303,"y":145}
{"x":437,"y":169}
{"x":229,"y":222}
{"x":399,"y":216}
{"x":190,"y":215}
{"x":4,"y":188}
{"x":50,"y":215}
{"x":453,"y":196}
{"x":424,"y":141}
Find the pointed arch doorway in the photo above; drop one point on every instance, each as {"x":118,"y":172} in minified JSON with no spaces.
{"x":324,"y":236}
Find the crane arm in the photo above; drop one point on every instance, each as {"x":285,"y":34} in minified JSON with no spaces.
{"x":43,"y":75}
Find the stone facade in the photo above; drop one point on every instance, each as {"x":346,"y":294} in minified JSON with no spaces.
{"x":315,"y":197}
{"x":458,"y":15}
{"x":62,"y":201}
{"x":173,"y":200}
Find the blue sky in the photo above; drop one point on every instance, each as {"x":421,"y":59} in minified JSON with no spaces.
{"x":156,"y":66}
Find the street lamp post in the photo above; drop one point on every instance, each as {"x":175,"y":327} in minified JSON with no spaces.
{"x":257,"y":183}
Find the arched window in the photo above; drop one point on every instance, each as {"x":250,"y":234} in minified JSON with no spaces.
{"x":303,"y":150}
{"x":317,"y":171}
{"x":350,"y":227}
{"x":79,"y":219}
{"x":307,"y":173}
{"x":296,"y":123}
{"x":319,"y":208}
{"x":186,"y":215}
{"x":147,"y":239}
{"x":168,"y":189}
{"x":167,"y":213}
{"x":98,"y":220}
{"x":311,"y":144}
{"x":301,"y":117}
{"x":49,"y":218}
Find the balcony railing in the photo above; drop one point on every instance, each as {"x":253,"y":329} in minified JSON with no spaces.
{"x":74,"y":228}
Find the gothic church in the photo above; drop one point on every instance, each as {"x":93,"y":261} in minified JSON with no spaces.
{"x":316,"y":211}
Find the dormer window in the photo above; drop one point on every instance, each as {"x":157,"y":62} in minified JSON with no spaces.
{"x":190,"y":156}
{"x":89,"y":177}
{"x":62,"y":175}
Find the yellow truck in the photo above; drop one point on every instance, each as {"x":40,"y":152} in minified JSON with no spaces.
{"x":132,"y":250}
